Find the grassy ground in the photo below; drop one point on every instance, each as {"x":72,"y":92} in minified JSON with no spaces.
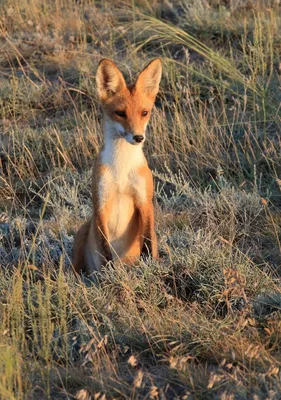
{"x":204,"y":322}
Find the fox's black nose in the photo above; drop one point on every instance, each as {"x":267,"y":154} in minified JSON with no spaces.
{"x":138,"y":138}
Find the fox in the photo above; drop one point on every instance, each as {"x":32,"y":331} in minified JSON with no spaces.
{"x":122,"y":222}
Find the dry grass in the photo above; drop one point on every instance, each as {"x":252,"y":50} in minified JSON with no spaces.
{"x":202,"y":323}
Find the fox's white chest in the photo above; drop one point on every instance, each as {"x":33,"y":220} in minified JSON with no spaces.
{"x":115,"y":187}
{"x":122,"y":161}
{"x":120,"y":187}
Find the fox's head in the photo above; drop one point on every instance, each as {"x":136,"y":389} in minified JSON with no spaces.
{"x":127,"y":109}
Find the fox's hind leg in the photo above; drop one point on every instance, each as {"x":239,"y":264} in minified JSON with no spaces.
{"x":79,"y":261}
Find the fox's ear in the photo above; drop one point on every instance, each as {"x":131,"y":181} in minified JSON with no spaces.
{"x":149,"y":78}
{"x":109,"y":79}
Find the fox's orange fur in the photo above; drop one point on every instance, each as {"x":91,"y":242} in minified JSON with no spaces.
{"x":122,"y":223}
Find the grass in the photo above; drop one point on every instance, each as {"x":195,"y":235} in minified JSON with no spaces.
{"x":202,"y":323}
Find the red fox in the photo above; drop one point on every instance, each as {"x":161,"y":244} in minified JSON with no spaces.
{"x":122,"y":223}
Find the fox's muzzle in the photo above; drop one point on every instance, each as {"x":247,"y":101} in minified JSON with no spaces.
{"x":138,"y":138}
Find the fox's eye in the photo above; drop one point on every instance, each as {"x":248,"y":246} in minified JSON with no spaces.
{"x":144,"y":113}
{"x":121,"y":114}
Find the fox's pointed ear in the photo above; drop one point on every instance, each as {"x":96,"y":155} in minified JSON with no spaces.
{"x":149,"y":78}
{"x":109,"y":79}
